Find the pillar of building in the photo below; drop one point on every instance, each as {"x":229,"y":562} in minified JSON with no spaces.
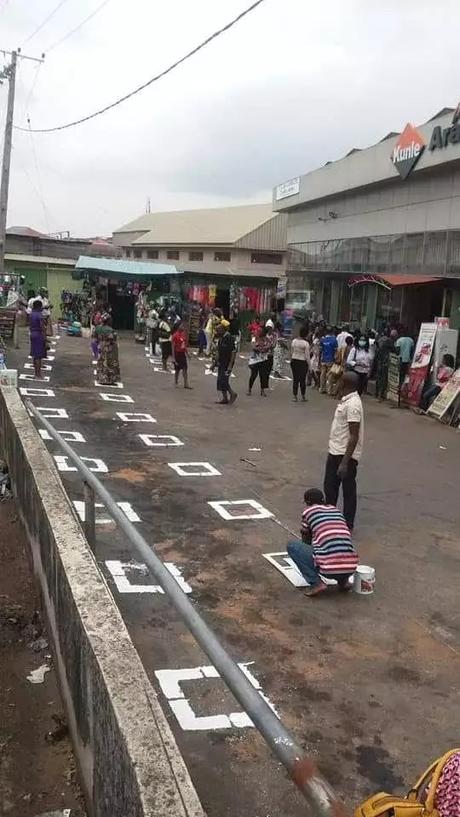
{"x":335,"y":302}
{"x":371,"y":312}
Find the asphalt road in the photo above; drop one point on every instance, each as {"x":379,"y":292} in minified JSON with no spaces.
{"x":368,"y":684}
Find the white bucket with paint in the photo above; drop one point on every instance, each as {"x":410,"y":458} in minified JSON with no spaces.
{"x":364,"y":580}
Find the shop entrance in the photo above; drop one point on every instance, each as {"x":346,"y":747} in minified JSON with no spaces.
{"x":222,"y":300}
{"x":121,"y":300}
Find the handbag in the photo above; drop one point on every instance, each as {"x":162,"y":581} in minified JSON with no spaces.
{"x":414,"y":804}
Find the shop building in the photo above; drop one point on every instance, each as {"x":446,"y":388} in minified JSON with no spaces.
{"x":47,"y":261}
{"x":374,"y":238}
{"x":229,"y":256}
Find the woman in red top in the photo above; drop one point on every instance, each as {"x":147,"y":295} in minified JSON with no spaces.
{"x":179,"y":348}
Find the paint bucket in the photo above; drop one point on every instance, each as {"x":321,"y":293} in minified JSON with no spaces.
{"x":364,"y":580}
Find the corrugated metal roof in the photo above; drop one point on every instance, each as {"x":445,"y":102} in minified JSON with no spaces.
{"x":272,"y":235}
{"x":120,"y":266}
{"x":40,"y":259}
{"x":231,"y":272}
{"x":217,"y":225}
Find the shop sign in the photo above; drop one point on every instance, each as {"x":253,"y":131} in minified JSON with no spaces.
{"x":393,"y":390}
{"x":407,"y":150}
{"x":442,"y":137}
{"x":286,"y":189}
{"x":446,"y":397}
{"x":421,"y":362}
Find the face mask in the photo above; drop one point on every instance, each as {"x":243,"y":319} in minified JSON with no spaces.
{"x":362,"y":344}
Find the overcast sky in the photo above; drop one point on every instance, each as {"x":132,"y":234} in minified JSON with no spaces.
{"x":295,"y":84}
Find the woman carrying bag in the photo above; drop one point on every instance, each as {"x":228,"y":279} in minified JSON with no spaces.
{"x":360,"y":361}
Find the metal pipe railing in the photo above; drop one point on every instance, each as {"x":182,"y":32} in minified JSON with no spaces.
{"x":320,"y":796}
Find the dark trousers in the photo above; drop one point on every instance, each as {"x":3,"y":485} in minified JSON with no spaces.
{"x":428,"y":396}
{"x":299,"y":376}
{"x":332,"y":485}
{"x":261,"y":370}
{"x":362,"y":382}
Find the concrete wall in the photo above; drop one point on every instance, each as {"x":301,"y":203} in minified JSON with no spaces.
{"x":420,"y":203}
{"x":240,"y":261}
{"x":129,"y":762}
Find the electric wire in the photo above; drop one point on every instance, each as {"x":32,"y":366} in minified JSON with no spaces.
{"x":77,"y":28}
{"x":46,"y":20}
{"x":157,"y":77}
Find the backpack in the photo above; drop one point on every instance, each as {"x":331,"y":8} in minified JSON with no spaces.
{"x":414,"y":804}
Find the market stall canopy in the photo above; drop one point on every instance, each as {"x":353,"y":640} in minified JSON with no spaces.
{"x":389,"y":281}
{"x":121,"y":268}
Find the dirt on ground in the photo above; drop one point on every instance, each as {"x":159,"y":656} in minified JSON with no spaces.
{"x":37,"y":765}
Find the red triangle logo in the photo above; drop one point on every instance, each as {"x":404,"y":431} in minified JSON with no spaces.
{"x":407,"y":150}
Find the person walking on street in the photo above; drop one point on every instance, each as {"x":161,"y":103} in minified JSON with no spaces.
{"x":360,"y":360}
{"x":335,"y":375}
{"x":385,"y":346}
{"x":259,"y":363}
{"x":225,"y":360}
{"x":37,"y":337}
{"x":180,"y":355}
{"x":315,"y":355}
{"x":328,"y":347}
{"x":164,"y":336}
{"x":326,"y":548}
{"x":405,"y":348}
{"x":345,"y":448}
{"x":300,"y":363}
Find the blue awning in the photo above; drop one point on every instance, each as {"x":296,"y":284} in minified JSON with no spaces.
{"x":122,"y":268}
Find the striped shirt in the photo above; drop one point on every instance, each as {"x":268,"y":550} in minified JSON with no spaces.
{"x":333,"y":549}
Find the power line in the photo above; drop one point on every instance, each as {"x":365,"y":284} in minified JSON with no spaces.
{"x":150,"y":81}
{"x":46,"y":20}
{"x":80,"y":25}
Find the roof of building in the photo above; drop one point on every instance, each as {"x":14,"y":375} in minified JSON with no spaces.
{"x":25,"y":231}
{"x":117,"y":267}
{"x":217,"y":225}
{"x":39,"y":259}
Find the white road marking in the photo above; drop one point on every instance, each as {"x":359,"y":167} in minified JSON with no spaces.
{"x":160,"y":440}
{"x":108,"y":385}
{"x":199,"y":469}
{"x":259,"y":511}
{"x":68,"y":436}
{"x":44,"y":368}
{"x":170,"y":680}
{"x":286,"y":566}
{"x":32,"y":377}
{"x":48,"y":357}
{"x":121,"y":571}
{"x":135,"y":417}
{"x":162,"y":371}
{"x":37,"y":392}
{"x":52,"y":413}
{"x":126,"y":507}
{"x":98,"y":467}
{"x":116,"y":398}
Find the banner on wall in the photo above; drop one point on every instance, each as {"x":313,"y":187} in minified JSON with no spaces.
{"x":421,"y":363}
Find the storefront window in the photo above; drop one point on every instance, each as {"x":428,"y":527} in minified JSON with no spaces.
{"x":304,"y":294}
{"x":389,"y":302}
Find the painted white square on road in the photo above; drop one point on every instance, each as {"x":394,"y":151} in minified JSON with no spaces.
{"x":122,"y":572}
{"x":32,"y":377}
{"x":52,"y":413}
{"x":170,"y":681}
{"x":116,"y":398}
{"x":107,"y":385}
{"x":244,"y":509}
{"x":44,"y":368}
{"x":95,"y":465}
{"x":194,"y":469}
{"x":37,"y":392}
{"x":126,"y":507}
{"x":287,"y":567}
{"x":135,"y":417}
{"x":68,"y":436}
{"x":160,"y":440}
{"x":162,"y":371}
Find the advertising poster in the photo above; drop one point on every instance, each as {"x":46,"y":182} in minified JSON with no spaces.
{"x":446,"y":397}
{"x":421,"y":363}
{"x":393,"y":393}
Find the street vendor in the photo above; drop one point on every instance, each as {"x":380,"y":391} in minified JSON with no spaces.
{"x":443,"y":375}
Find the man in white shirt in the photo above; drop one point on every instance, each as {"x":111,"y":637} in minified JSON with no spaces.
{"x":342,"y":336}
{"x":345,"y":448}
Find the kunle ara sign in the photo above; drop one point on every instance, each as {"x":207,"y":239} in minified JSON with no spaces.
{"x":411,"y":144}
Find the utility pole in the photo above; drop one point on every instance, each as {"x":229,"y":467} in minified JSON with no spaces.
{"x":9,"y":73}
